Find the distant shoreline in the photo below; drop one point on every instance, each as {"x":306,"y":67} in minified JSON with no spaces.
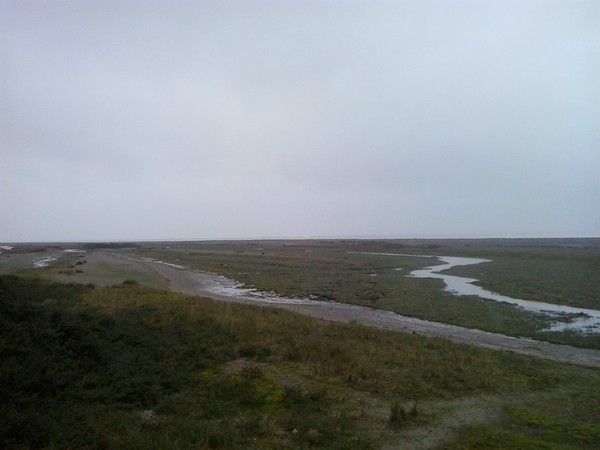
{"x":559,"y":242}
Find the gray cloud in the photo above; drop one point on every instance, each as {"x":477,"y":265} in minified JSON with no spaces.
{"x":141,"y":120}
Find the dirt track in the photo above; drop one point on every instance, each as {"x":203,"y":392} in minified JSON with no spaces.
{"x":209,"y":285}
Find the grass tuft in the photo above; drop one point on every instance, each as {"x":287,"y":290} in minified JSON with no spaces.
{"x":401,"y":413}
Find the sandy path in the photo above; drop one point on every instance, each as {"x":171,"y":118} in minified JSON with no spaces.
{"x":204,"y":284}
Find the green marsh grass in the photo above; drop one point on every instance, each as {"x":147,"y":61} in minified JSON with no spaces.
{"x":565,"y":276}
{"x":130,"y":367}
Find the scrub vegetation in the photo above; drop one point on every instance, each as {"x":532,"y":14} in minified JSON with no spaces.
{"x":126,"y":366}
{"x":343,"y":271}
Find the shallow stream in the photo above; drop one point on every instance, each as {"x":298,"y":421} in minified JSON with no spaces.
{"x":567,"y":317}
{"x":580,"y":319}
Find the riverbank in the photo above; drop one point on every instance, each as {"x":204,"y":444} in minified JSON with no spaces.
{"x":106,"y":267}
{"x":217,"y":287}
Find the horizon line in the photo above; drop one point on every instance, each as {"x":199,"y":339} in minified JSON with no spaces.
{"x":299,"y":238}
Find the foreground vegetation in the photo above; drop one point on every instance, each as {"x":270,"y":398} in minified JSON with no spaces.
{"x":345,"y":272}
{"x":130,"y":367}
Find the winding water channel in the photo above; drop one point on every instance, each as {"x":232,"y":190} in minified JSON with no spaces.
{"x":568,"y":317}
{"x":205,"y":284}
{"x":196,"y":282}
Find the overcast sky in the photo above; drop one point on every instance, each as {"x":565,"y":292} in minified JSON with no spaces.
{"x":165,"y":119}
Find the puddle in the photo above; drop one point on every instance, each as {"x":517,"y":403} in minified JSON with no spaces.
{"x":46,"y":260}
{"x":43,"y":261}
{"x":222,"y":286}
{"x":157,"y":261}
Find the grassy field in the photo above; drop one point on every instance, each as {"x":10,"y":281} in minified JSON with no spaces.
{"x":131,"y":367}
{"x":338,"y":270}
